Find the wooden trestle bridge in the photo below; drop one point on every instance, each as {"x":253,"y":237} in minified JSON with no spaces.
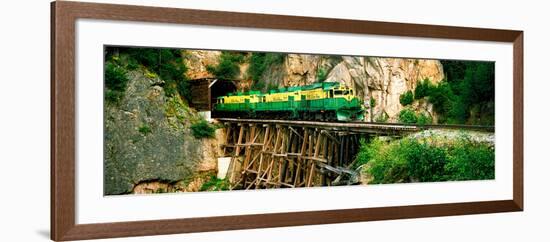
{"x":288,"y":153}
{"x":282,"y":153}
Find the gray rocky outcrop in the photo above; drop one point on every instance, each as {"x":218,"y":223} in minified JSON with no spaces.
{"x":148,"y":138}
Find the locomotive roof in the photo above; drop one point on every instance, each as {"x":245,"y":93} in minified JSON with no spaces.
{"x":324,"y":85}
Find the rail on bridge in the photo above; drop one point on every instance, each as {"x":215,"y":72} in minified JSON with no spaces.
{"x":277,"y":153}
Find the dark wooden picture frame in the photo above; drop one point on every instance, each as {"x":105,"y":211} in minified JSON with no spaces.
{"x":63,"y":19}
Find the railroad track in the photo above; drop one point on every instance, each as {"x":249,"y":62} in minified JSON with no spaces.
{"x":368,"y":127}
{"x":486,"y":128}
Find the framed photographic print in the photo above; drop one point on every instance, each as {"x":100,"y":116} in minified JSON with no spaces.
{"x":208,"y":120}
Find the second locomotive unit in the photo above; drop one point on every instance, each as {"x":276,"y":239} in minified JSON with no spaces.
{"x":327,"y":101}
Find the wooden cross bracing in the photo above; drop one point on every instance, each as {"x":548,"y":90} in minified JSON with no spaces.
{"x":276,"y":156}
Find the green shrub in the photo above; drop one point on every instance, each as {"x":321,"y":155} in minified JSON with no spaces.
{"x":260,"y":62}
{"x":215,"y":184}
{"x":228,"y":66}
{"x":407,"y":116}
{"x":367,"y":151}
{"x":471,"y":84}
{"x":384,"y":163}
{"x":425,"y":162}
{"x":115,"y":82}
{"x":172,"y":70}
{"x":203,"y":129}
{"x":272,"y":86}
{"x":424,"y":119}
{"x":274,"y":58}
{"x":419,"y":160}
{"x":442,"y":97}
{"x":132,"y":64}
{"x":471,"y":161}
{"x":321,"y":74}
{"x":115,"y":77}
{"x":423,"y":89}
{"x":112,"y":96}
{"x":144,"y":129}
{"x":382,"y":118}
{"x":372,"y":102}
{"x":149,"y":57}
{"x":457,"y":113}
{"x":406,"y":98}
{"x":257,"y":66}
{"x":258,"y":85}
{"x":184,"y":89}
{"x":167,"y":64}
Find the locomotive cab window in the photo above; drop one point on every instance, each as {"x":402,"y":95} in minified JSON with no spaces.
{"x":341,"y":92}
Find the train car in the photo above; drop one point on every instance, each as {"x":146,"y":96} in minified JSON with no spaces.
{"x":327,"y":101}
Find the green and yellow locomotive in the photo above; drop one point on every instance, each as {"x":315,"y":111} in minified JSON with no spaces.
{"x":328,"y":101}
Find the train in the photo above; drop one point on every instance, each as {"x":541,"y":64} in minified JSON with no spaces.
{"x":324,"y":101}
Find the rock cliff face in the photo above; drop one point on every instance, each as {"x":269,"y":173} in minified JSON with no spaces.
{"x":148,"y":138}
{"x":383,"y":79}
{"x":197,"y":61}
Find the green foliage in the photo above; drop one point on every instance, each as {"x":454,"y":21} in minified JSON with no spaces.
{"x":367,"y":151}
{"x":425,"y":162}
{"x":203,"y":129}
{"x":132,"y":64}
{"x":457,"y":113}
{"x":166,"y":64}
{"x":144,"y":129}
{"x":272,"y":86}
{"x":372,"y":102}
{"x":228,"y":66}
{"x":468,"y":85}
{"x":423,"y":89}
{"x":406,"y":98}
{"x":172,"y":70}
{"x":442,"y":97}
{"x":260,"y":62}
{"x":424,"y":119}
{"x":469,"y":161}
{"x":115,"y":82}
{"x":481,"y":78}
{"x":260,"y":85}
{"x":215,"y":184}
{"x":321,"y":74}
{"x":112,"y":96}
{"x":115,"y":77}
{"x":407,"y":116}
{"x":177,"y":111}
{"x":383,"y":162}
{"x":382,"y":118}
{"x":418,"y":160}
{"x":454,"y":70}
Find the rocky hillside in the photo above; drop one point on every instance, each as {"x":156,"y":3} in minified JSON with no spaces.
{"x":148,"y":139}
{"x":383,"y":80}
